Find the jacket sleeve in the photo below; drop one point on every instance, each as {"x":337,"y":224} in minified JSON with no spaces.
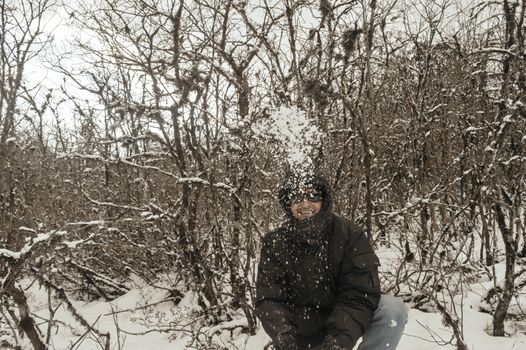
{"x":358,"y":293}
{"x":272,"y":293}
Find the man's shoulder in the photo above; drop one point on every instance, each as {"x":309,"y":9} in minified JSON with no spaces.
{"x":346,"y":226}
{"x":277,"y":235}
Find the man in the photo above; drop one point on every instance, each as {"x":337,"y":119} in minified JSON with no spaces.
{"x":317,"y":284}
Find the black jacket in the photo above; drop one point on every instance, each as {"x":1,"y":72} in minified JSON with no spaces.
{"x":317,"y":279}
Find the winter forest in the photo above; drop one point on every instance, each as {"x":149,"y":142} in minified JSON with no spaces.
{"x":142,"y":143}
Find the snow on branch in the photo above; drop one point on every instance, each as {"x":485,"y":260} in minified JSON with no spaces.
{"x":41,"y":238}
{"x":112,"y":205}
{"x":74,"y":244}
{"x":28,"y":247}
{"x":415,"y":203}
{"x":435,"y":108}
{"x":97,"y":277}
{"x":180,"y":180}
{"x":495,"y":50}
{"x":229,"y":325}
{"x":124,"y":139}
{"x":518,"y":159}
{"x":110,"y":160}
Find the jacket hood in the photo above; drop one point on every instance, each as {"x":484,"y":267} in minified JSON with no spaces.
{"x":296,"y":184}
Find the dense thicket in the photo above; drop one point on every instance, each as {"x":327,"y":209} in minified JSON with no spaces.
{"x":146,"y":160}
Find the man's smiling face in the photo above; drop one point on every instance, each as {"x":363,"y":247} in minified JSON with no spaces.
{"x":307,"y":204}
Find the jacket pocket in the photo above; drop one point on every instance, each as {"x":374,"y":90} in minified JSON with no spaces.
{"x":365,"y":262}
{"x":365,"y":270}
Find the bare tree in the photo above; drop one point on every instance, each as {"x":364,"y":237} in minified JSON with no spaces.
{"x":22,"y":39}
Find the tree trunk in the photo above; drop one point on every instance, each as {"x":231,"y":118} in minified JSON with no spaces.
{"x":423,"y":239}
{"x":509,"y":284}
{"x":486,"y":238}
{"x":27,"y":323}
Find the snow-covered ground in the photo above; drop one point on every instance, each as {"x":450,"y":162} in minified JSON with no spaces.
{"x":137,"y":319}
